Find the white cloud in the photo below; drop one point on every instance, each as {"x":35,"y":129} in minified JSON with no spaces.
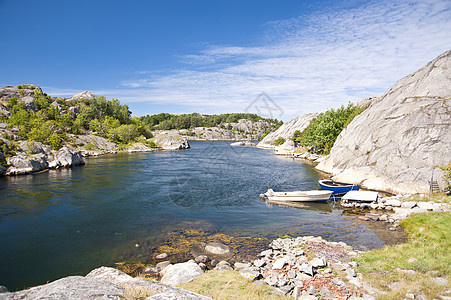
{"x":310,"y":63}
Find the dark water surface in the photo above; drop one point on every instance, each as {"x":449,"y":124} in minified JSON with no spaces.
{"x":67,"y":222}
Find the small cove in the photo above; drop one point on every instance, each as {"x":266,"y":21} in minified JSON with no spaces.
{"x":67,"y":222}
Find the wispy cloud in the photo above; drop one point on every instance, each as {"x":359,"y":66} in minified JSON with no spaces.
{"x":310,"y":63}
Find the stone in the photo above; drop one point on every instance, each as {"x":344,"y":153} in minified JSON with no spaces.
{"x":426,"y":205}
{"x":250,"y":273}
{"x":3,"y":289}
{"x":353,"y":264}
{"x":162,"y":256}
{"x":181,"y":273}
{"x":408,"y":204}
{"x":307,"y":269}
{"x":410,"y":296}
{"x":279,"y":263}
{"x":223,"y":266}
{"x":440,"y":280}
{"x":217,"y":248}
{"x":351,"y":272}
{"x":162,"y":265}
{"x":311,"y":290}
{"x":393,"y":202}
{"x":285,"y":289}
{"x":214,"y":263}
{"x":239,"y":266}
{"x":395,"y":143}
{"x":374,"y":217}
{"x":203,"y":266}
{"x":266,"y":253}
{"x":326,"y":293}
{"x":29,"y":103}
{"x":291,"y":274}
{"x":271,"y":280}
{"x":318,"y":262}
{"x":259,"y":263}
{"x":307,"y":297}
{"x":383,"y":217}
{"x":202,"y":259}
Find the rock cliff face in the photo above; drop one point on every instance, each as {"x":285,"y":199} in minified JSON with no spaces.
{"x":287,"y":130}
{"x":395,"y":144}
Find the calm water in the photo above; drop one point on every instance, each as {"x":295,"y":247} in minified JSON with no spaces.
{"x":67,"y":222}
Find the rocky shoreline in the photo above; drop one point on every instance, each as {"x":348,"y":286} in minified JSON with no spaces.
{"x":304,"y":267}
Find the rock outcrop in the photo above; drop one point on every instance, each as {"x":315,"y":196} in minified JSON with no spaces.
{"x":23,"y":163}
{"x":171,"y":142}
{"x":103,"y":283}
{"x":287,"y":130}
{"x":395,"y":144}
{"x":234,"y":131}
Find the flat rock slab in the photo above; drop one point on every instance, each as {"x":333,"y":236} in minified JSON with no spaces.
{"x":73,"y":287}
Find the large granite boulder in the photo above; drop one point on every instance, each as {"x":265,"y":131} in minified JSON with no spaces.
{"x":287,"y":130}
{"x":180,"y":273}
{"x":395,"y":144}
{"x":73,"y":287}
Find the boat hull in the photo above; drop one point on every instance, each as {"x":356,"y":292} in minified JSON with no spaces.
{"x":361,"y":196}
{"x":337,"y":187}
{"x":307,"y":196}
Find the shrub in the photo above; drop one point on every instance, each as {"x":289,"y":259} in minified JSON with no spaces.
{"x":279,"y":141}
{"x":447,"y":175}
{"x":325,"y":128}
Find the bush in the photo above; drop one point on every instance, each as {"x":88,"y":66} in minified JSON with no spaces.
{"x":152,"y":144}
{"x":325,"y":128}
{"x":447,"y":175}
{"x":279,"y":141}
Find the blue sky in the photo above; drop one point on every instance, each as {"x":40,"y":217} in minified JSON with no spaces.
{"x":218,"y":56}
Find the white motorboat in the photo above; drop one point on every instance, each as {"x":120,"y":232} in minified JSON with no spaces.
{"x":298,"y":196}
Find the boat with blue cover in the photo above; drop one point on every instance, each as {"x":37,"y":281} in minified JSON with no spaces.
{"x":338,"y":188}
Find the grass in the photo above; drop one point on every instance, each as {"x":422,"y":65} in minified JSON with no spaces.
{"x":412,"y":265}
{"x":438,"y":197}
{"x":229,"y":285}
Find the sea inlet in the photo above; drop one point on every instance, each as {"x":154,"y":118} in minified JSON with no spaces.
{"x":129,"y":206}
